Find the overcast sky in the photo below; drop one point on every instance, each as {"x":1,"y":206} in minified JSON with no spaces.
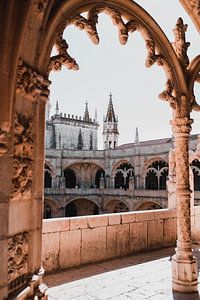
{"x":111,"y":67}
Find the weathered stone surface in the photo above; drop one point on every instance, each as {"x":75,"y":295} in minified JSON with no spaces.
{"x":70,"y":248}
{"x":93,"y":245}
{"x":117,"y":240}
{"x":155,"y":233}
{"x":138,"y":236}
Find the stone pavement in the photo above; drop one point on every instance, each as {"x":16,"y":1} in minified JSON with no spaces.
{"x":138,"y":277}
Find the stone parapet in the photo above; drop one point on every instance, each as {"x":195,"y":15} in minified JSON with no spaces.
{"x":70,"y":242}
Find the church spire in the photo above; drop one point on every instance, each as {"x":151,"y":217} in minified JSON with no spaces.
{"x":137,"y":136}
{"x":57,"y":108}
{"x":86,"y":116}
{"x":110,"y":116}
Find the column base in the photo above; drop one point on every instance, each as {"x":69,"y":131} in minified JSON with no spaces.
{"x":184,"y":275}
{"x":35,"y":288}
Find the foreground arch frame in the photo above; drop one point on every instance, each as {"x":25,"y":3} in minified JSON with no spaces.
{"x":36,"y":25}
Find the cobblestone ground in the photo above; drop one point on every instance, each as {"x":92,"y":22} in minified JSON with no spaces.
{"x":138,"y":277}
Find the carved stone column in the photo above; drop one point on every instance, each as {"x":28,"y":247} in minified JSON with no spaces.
{"x":184,"y":265}
{"x":26,"y":196}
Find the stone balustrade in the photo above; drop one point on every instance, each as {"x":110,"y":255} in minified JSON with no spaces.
{"x":70,"y":242}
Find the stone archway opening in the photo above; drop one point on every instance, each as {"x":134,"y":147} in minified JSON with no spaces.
{"x":150,"y":205}
{"x":24,"y":114}
{"x":81,"y":207}
{"x":116,"y":206}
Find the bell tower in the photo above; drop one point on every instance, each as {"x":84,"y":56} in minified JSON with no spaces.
{"x":110,"y":127}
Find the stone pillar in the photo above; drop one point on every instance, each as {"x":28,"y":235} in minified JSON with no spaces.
{"x":25,"y":201}
{"x":184,"y":265}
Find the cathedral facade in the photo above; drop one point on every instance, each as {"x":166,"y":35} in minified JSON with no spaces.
{"x":82,"y":180}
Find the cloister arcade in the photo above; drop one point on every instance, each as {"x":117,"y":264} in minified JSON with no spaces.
{"x":28,"y":32}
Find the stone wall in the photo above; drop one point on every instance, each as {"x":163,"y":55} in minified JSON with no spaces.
{"x":69,"y":242}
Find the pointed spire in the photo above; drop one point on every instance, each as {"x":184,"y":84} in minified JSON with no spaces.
{"x":57,"y":108}
{"x":110,"y":117}
{"x":95,"y":115}
{"x":86,"y":116}
{"x":137,"y":136}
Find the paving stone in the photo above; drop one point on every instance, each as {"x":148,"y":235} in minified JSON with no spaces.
{"x":140,"y":277}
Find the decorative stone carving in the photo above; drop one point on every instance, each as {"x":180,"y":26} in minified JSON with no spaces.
{"x":18,"y":247}
{"x":195,"y":6}
{"x":3,"y":141}
{"x":40,"y":7}
{"x":63,"y":58}
{"x":180,"y":45}
{"x":30,"y":83}
{"x":23,"y":152}
{"x":166,"y":95}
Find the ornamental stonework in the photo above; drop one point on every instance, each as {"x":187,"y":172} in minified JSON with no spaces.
{"x":4,"y":136}
{"x":18,"y":247}
{"x":30,"y":83}
{"x":22,"y":162}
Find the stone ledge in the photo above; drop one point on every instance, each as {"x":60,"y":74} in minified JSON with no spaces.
{"x":55,"y":225}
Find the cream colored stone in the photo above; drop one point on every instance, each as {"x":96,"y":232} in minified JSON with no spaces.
{"x":97,"y":221}
{"x":78,"y":223}
{"x":117,"y":240}
{"x":155,"y":234}
{"x":138,"y":236}
{"x":20,"y":217}
{"x":50,"y":251}
{"x":169,"y":232}
{"x":144,"y":215}
{"x":55,"y":225}
{"x":93,"y":245}
{"x":69,"y":249}
{"x":129,"y":217}
{"x":114,"y":219}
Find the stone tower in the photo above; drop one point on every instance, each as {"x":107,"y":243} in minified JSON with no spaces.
{"x":110,"y":127}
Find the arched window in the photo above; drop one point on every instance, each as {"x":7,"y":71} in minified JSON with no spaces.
{"x":70,"y":178}
{"x":47,"y":177}
{"x":122,"y":176}
{"x":195,"y":166}
{"x":47,"y":211}
{"x":100,"y":175}
{"x":156,"y":176}
{"x":81,"y":207}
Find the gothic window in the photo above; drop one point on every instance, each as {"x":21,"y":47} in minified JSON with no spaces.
{"x":91,"y":141}
{"x":80,"y":141}
{"x":100,"y":175}
{"x":47,"y":177}
{"x":156,"y":176}
{"x":47,"y":211}
{"x":70,"y":178}
{"x":123,"y":174}
{"x":195,"y":166}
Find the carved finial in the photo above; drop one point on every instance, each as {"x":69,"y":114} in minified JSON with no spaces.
{"x":57,"y":108}
{"x":137,"y":136}
{"x":180,"y":45}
